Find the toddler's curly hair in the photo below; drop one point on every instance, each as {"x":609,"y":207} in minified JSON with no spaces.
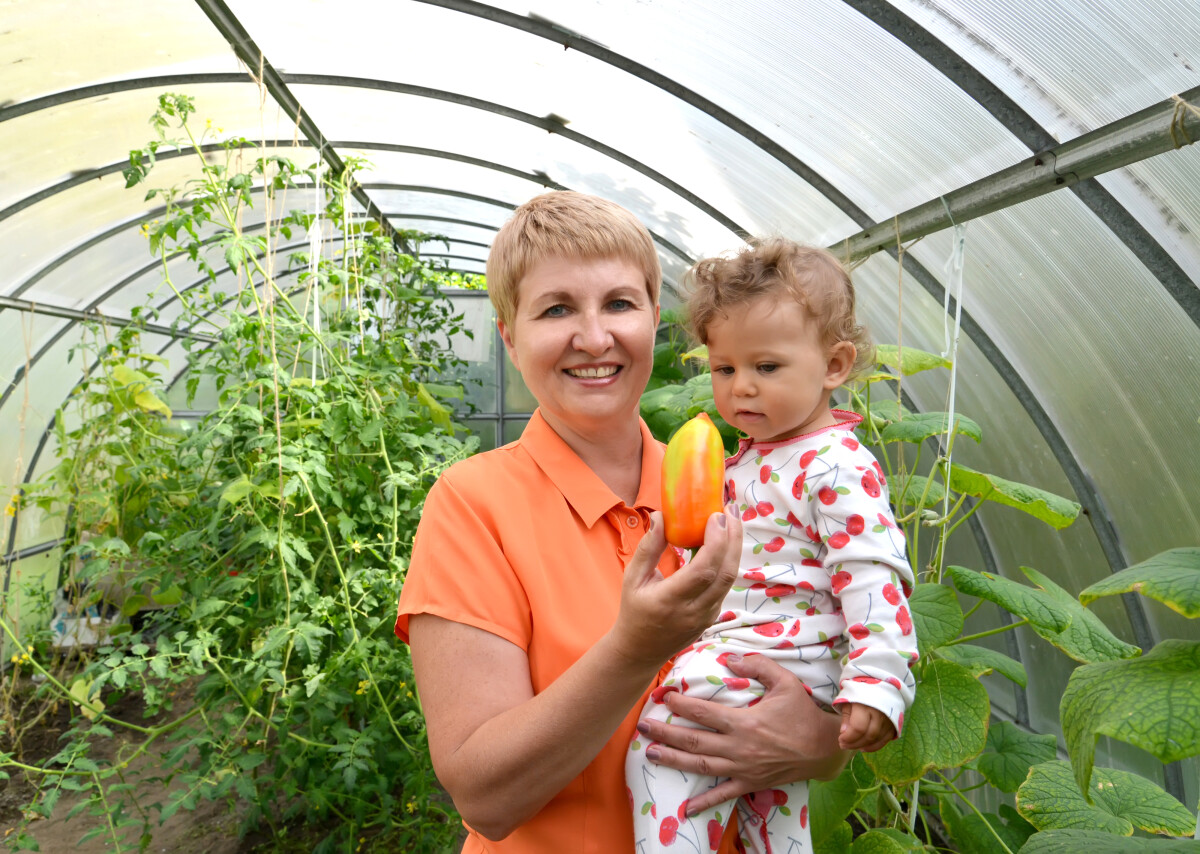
{"x":775,"y":267}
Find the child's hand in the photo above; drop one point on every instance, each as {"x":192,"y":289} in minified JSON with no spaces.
{"x":864,"y":728}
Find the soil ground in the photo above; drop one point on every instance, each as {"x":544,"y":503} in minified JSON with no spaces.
{"x":211,"y":828}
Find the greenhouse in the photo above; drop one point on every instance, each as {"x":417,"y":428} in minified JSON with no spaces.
{"x":245,"y":327}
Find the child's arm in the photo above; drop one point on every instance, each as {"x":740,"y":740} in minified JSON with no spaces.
{"x":869,"y":573}
{"x":864,"y":728}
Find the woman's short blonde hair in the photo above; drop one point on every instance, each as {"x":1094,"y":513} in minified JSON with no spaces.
{"x":566,"y":224}
{"x":778,"y":267}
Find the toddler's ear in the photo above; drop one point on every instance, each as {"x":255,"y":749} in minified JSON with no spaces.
{"x":839,"y":364}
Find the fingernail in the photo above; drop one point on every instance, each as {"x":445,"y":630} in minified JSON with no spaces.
{"x":653,"y":753}
{"x":692,"y":811}
{"x":722,"y":521}
{"x":734,"y":657}
{"x":643,"y":728}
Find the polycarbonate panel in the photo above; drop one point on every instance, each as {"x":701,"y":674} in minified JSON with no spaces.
{"x":461,"y":130}
{"x":99,"y":132}
{"x":453,"y":230}
{"x":517,"y":397}
{"x":1074,"y":312}
{"x":485,"y":429}
{"x":480,"y":377}
{"x":1073,"y":65}
{"x":848,"y":99}
{"x":437,"y":204}
{"x":30,"y":586}
{"x":513,"y":429}
{"x":54,"y":45}
{"x":25,"y":412}
{"x":1161,"y":194}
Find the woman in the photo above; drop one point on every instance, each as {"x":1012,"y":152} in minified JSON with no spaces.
{"x":541,"y":601}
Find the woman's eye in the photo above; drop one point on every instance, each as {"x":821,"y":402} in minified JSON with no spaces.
{"x":555,"y":311}
{"x":621,"y":304}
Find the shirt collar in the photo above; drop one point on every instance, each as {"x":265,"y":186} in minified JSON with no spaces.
{"x":584,"y":490}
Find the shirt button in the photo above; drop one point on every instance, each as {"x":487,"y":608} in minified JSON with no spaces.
{"x":631,"y":521}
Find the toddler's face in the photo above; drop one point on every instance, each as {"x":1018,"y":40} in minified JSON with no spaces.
{"x":771,"y":375}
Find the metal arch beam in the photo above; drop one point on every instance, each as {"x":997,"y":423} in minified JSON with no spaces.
{"x":111,"y":168}
{"x":590,"y":48}
{"x":440,"y":191}
{"x":245,"y":48}
{"x":453,"y":257}
{"x":419,"y":91}
{"x":174,"y":336}
{"x":1036,"y":138}
{"x":548,"y":125}
{"x":112,"y":87}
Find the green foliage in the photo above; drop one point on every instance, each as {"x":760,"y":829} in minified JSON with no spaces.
{"x":1098,"y":842}
{"x":1010,"y":753}
{"x":1118,"y":802}
{"x":272,"y":535}
{"x":945,"y":728}
{"x":1172,"y":578}
{"x":984,"y":833}
{"x":1162,"y":716}
{"x":1151,"y":701}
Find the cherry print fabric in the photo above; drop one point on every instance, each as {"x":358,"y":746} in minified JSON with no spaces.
{"x":822,"y":589}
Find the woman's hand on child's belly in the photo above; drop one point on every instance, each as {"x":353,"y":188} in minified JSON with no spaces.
{"x":783,"y":738}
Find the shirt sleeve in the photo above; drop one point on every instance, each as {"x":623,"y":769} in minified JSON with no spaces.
{"x":458,"y":570}
{"x":869,"y":573}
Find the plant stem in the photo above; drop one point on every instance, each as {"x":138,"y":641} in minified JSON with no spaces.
{"x":975,"y":810}
{"x":995,"y":631}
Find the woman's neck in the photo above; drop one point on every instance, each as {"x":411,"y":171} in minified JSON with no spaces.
{"x":614,"y":455}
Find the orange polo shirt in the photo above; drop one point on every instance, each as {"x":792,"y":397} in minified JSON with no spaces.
{"x":527,"y":543}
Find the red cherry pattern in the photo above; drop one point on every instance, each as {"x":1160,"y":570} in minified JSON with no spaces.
{"x":715,"y":831}
{"x":668,"y":830}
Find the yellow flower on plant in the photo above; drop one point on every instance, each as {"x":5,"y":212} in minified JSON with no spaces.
{"x":411,"y":807}
{"x":356,"y":545}
{"x":16,"y":659}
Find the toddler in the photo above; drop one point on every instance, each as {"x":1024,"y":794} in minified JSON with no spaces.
{"x":823,"y":577}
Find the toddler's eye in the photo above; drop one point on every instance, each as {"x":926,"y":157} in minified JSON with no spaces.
{"x":723,"y":370}
{"x":767,"y":367}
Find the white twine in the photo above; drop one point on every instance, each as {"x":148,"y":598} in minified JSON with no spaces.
{"x":314,"y":254}
{"x":954,"y":269}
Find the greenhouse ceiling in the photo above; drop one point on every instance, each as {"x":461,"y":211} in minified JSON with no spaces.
{"x":1059,"y":131}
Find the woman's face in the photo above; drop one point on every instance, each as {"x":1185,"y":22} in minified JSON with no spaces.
{"x":583,"y":339}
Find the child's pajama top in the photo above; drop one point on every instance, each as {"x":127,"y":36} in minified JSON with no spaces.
{"x":822,"y":589}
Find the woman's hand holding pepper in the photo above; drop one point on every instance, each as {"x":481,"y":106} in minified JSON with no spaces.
{"x":660,"y":616}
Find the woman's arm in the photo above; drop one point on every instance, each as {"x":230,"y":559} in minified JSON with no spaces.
{"x":501,"y":751}
{"x":783,"y":738}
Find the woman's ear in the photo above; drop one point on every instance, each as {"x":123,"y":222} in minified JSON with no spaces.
{"x":839,"y":364}
{"x":506,"y":337}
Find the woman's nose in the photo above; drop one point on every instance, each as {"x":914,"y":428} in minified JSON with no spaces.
{"x":593,"y":336}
